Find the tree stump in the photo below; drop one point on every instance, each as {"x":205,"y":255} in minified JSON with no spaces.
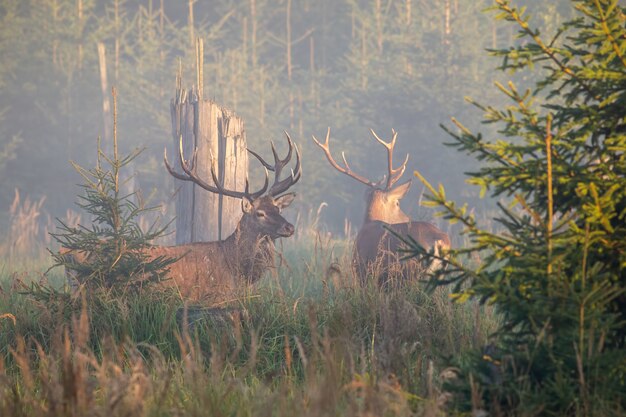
{"x":215,"y":132}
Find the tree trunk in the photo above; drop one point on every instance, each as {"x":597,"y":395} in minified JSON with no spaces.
{"x":192,"y":35}
{"x":80,"y":34}
{"x":216,"y":132}
{"x":288,"y":43}
{"x":106,"y":104}
{"x":116,"y":8}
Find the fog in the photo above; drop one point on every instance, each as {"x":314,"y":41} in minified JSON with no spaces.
{"x":295,"y":65}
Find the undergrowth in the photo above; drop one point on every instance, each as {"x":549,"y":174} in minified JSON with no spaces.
{"x":305,"y":341}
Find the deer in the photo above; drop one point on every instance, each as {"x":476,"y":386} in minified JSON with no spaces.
{"x":216,"y":272}
{"x":376,"y":248}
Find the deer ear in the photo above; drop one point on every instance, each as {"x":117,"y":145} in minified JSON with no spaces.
{"x":284,"y":200}
{"x":246,"y":205}
{"x":401,"y":190}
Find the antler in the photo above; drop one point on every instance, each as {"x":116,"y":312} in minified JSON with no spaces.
{"x":191,"y":175}
{"x":394,"y":173}
{"x":346,"y":168}
{"x":280,"y":186}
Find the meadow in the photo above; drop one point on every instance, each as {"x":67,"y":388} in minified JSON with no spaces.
{"x":305,"y":341}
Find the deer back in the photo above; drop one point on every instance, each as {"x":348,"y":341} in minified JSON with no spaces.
{"x":200,"y":273}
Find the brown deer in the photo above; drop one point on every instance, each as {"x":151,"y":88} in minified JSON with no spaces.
{"x":376,"y":249}
{"x":216,"y":272}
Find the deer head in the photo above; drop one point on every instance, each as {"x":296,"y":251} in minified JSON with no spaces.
{"x":382,"y":198}
{"x":263,"y":216}
{"x":262,"y":208}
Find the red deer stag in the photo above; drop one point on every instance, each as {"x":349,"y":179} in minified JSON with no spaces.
{"x":215,"y":272}
{"x":376,"y":249}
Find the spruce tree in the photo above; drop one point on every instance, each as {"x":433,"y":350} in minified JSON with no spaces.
{"x":555,"y":265}
{"x":110,"y":253}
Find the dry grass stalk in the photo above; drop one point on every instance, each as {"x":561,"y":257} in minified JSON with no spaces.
{"x":25,"y":232}
{"x":10,"y":317}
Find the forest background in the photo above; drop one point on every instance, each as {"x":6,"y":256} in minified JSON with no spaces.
{"x":294,"y":65}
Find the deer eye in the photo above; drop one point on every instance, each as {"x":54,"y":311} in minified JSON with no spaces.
{"x":260,"y":214}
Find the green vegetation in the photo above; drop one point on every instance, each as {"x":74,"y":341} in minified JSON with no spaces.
{"x":111,"y":253}
{"x":300,"y":344}
{"x":555,"y":268}
{"x":353,"y":65}
{"x":306,"y":340}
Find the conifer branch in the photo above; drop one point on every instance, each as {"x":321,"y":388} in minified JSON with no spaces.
{"x":545,"y":48}
{"x":609,"y":35}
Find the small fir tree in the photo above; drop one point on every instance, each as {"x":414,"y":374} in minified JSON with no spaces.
{"x":111,"y":253}
{"x":555,"y":268}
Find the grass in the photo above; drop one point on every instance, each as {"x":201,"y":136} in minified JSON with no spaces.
{"x":306,"y":341}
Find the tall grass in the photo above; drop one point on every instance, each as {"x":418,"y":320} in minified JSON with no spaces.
{"x":26,"y":235}
{"x":305,"y":341}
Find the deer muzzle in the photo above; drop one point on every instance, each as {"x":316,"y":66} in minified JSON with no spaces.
{"x":287,"y":230}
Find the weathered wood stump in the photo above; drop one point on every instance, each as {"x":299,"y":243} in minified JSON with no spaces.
{"x":220,"y":139}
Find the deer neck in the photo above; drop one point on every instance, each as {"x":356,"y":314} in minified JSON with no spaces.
{"x":250,"y":251}
{"x":372,"y":210}
{"x":373,"y":214}
{"x":370,"y":216}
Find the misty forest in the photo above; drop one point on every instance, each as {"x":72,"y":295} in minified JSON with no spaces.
{"x":313,"y":207}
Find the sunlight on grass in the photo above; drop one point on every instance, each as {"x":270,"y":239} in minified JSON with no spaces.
{"x":306,"y":340}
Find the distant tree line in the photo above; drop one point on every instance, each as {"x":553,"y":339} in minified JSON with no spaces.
{"x":295,"y":65}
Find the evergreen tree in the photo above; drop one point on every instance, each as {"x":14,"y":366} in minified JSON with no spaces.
{"x":111,"y":253}
{"x":417,"y":56}
{"x":555,"y":268}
